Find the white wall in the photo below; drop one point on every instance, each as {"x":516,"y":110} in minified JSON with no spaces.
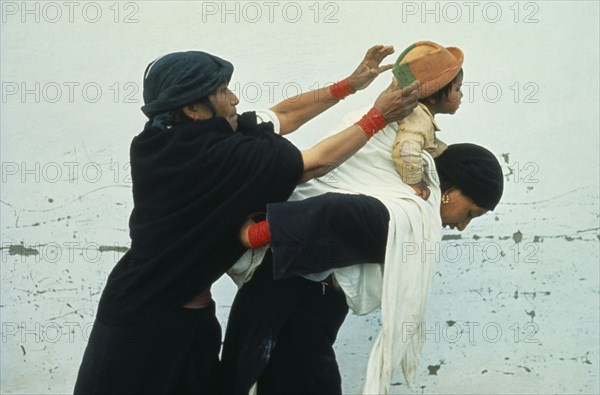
{"x":514,"y":306}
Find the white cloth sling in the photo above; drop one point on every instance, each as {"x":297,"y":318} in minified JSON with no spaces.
{"x":400,"y":286}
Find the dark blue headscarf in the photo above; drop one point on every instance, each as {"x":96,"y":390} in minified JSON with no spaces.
{"x":175,"y":80}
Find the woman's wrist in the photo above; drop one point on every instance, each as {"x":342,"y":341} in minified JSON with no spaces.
{"x":372,"y":122}
{"x":341,"y":89}
{"x":259,"y":234}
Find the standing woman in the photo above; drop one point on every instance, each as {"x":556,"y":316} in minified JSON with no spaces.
{"x":198,"y":171}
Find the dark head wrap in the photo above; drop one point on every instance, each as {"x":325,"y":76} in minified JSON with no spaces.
{"x":181,"y":78}
{"x":474,"y":170}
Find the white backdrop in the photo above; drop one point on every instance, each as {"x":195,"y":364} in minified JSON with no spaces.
{"x":514,"y":306}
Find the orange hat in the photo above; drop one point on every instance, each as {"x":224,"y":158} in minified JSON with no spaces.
{"x":430,"y":63}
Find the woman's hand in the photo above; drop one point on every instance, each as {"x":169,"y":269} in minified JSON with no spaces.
{"x":369,"y":68}
{"x":296,"y":111}
{"x":397,"y":103}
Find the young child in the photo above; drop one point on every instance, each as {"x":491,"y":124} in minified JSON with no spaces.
{"x":439,"y":70}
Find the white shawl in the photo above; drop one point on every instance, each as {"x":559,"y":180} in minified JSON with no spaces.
{"x":400,"y":286}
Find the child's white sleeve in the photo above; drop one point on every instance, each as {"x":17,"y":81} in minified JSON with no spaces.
{"x":406,"y":154}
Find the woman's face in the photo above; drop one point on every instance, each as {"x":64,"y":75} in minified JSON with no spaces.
{"x":459,"y":210}
{"x":224,"y":102}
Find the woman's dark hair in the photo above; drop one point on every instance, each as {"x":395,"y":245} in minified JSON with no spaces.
{"x":474,"y":170}
{"x":445,"y":91}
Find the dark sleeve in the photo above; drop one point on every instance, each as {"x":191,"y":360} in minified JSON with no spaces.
{"x":282,"y":154}
{"x":263,"y":163}
{"x":249,"y":126}
{"x":326,"y":232}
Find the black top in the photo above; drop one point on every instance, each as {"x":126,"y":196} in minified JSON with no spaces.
{"x":328,"y":231}
{"x":193,"y":187}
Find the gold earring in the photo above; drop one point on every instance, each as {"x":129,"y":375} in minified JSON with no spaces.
{"x":445,"y":198}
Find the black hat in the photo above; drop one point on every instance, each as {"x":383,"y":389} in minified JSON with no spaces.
{"x":181,"y":78}
{"x":474,"y":170}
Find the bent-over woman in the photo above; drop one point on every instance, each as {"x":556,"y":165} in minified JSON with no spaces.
{"x":281,"y":332}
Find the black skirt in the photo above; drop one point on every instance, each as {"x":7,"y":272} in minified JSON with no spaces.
{"x":175,"y":354}
{"x":280,"y":334}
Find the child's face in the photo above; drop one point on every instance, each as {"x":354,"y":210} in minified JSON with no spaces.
{"x":451,"y":102}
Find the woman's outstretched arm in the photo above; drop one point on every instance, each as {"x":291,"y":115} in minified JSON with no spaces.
{"x":297,"y":110}
{"x":392,"y":105}
{"x":320,"y":233}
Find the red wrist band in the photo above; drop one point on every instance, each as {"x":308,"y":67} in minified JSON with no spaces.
{"x":259,"y":234}
{"x":341,"y":89}
{"x":372,"y":122}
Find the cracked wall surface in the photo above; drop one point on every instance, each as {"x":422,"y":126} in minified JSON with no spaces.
{"x":514,"y":304}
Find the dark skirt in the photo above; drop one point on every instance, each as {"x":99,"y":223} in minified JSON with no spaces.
{"x":281,"y":332}
{"x":175,"y":354}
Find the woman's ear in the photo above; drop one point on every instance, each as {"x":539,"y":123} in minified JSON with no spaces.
{"x":190,"y":111}
{"x":452,"y":191}
{"x":197,"y":112}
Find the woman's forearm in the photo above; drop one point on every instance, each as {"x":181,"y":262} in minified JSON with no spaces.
{"x":298,"y":110}
{"x":392,"y":104}
{"x":341,"y":230}
{"x":332,"y":152}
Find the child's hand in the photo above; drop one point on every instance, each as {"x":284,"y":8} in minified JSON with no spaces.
{"x":422,"y":189}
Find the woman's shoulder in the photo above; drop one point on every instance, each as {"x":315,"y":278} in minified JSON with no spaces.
{"x":259,"y":123}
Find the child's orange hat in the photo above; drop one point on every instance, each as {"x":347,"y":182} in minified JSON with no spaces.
{"x":430,"y":63}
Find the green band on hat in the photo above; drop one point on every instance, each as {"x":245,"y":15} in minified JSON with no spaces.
{"x":402,"y":72}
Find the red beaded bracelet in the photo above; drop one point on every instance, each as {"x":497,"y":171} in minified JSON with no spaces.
{"x":259,"y":234}
{"x":372,"y":122}
{"x":340,"y":90}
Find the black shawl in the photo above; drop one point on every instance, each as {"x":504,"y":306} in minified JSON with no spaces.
{"x":193,"y":187}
